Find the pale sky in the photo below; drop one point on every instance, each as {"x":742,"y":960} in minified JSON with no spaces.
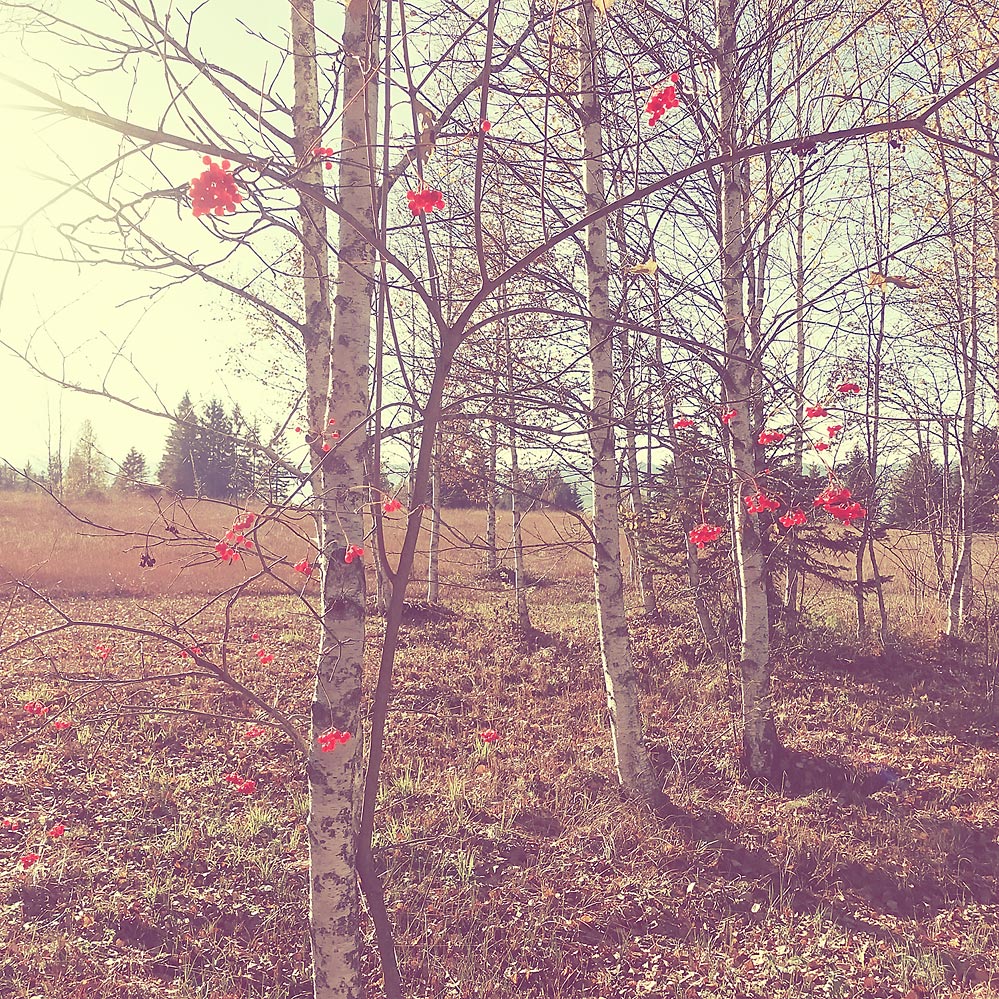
{"x":100,"y":319}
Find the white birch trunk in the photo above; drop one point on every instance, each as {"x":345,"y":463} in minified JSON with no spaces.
{"x":337,"y":387}
{"x":620,"y":677}
{"x":433,"y":565}
{"x":759,"y":740}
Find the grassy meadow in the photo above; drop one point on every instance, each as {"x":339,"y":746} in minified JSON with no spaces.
{"x":515,"y":869}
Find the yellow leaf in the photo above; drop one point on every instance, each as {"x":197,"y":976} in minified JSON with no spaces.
{"x":603,"y":5}
{"x":649,"y":267}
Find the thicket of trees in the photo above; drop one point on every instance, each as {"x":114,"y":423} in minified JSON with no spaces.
{"x":775,"y":284}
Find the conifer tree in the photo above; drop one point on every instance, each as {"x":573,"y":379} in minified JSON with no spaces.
{"x":213,"y":452}
{"x":132,"y":473}
{"x":176,"y":469}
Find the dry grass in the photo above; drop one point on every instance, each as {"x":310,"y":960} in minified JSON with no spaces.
{"x":95,"y":550}
{"x":512,"y":870}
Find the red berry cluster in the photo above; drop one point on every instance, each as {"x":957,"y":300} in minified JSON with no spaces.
{"x":314,"y":438}
{"x":683,"y":423}
{"x":793,"y":518}
{"x":704,"y":534}
{"x":771,"y":436}
{"x":30,"y":859}
{"x":103,"y":651}
{"x":816,"y":412}
{"x":833,"y":429}
{"x":234,"y":539}
{"x":489,"y":735}
{"x":729,"y":415}
{"x":61,"y":724}
{"x":37,"y":709}
{"x":352,"y":552}
{"x":241,"y":784}
{"x":332,"y":739}
{"x":661,"y":101}
{"x":390,"y":506}
{"x":304,"y":567}
{"x":12,"y":824}
{"x":424,"y":201}
{"x":194,"y":650}
{"x":839,"y":503}
{"x":848,"y":388}
{"x":324,"y":152}
{"x":254,"y":732}
{"x":761,"y":503}
{"x":215,"y":190}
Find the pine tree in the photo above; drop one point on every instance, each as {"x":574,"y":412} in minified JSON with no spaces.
{"x":86,"y":471}
{"x":214,"y":452}
{"x":248,"y":468}
{"x":176,"y":469}
{"x":132,"y":473}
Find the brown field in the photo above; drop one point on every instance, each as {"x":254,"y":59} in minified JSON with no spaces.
{"x":516,"y":870}
{"x":95,"y":550}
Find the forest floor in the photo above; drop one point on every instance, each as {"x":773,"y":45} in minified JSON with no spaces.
{"x":511,"y":869}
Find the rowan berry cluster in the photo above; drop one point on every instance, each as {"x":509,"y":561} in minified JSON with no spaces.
{"x":661,"y":101}
{"x":838,"y":502}
{"x":228,"y":549}
{"x":424,"y":201}
{"x":214,"y":191}
{"x":324,"y":153}
{"x":761,"y":503}
{"x":793,"y":518}
{"x":332,"y":739}
{"x":704,"y":534}
{"x":771,"y":436}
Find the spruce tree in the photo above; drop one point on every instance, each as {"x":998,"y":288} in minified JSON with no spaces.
{"x":132,"y":473}
{"x":176,"y":469}
{"x":214,"y":452}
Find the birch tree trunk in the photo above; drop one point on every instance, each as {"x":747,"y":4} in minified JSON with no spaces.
{"x":516,"y":497}
{"x":620,"y":676}
{"x":760,"y":746}
{"x":433,"y":562}
{"x":337,"y":388}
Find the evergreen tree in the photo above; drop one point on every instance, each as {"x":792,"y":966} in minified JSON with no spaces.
{"x":132,"y":473}
{"x":917,"y":493}
{"x":250,"y":470}
{"x":985,"y":472}
{"x":86,"y":471}
{"x":214,"y":452}
{"x":176,"y":469}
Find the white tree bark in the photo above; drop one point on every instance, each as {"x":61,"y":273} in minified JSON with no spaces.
{"x":620,"y":677}
{"x":337,"y":388}
{"x":759,"y":743}
{"x":434,"y":558}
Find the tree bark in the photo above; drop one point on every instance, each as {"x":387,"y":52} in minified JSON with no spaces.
{"x":760,"y":746}
{"x":634,"y":767}
{"x":434,"y":555}
{"x":337,"y":388}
